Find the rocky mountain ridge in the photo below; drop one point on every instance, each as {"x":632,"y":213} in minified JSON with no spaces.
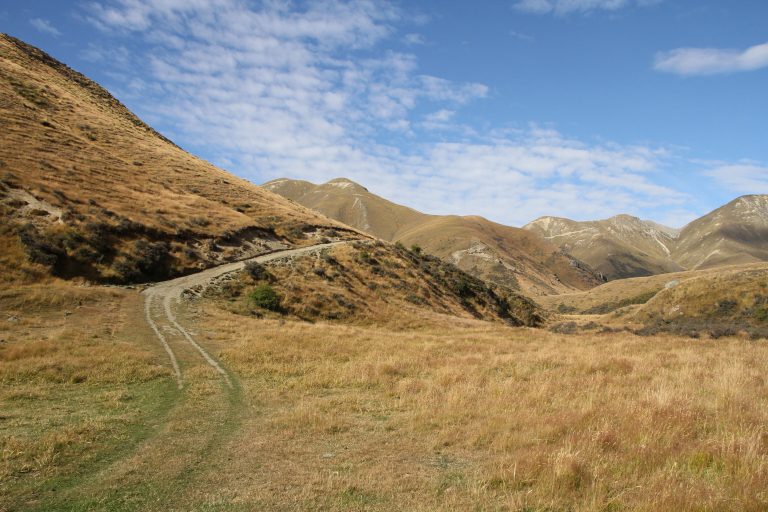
{"x":625,"y":246}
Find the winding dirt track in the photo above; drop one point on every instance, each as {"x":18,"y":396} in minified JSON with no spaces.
{"x":160,"y":298}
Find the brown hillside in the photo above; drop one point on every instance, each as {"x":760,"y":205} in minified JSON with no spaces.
{"x":373,"y":282}
{"x":91,"y":190}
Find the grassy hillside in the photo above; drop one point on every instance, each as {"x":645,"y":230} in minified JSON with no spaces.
{"x":90,"y":190}
{"x":713,"y":302}
{"x":725,"y":302}
{"x":373,"y":282}
{"x":500,"y":254}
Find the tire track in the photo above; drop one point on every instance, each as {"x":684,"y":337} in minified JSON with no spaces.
{"x":210,"y":360}
{"x":173,"y":290}
{"x":163,"y":341}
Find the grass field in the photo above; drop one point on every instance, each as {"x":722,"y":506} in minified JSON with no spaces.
{"x":451,"y":414}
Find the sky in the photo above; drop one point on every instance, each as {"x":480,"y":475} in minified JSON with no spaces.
{"x":509,"y":109}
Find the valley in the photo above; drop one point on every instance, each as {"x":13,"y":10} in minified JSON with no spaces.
{"x":174,"y":337}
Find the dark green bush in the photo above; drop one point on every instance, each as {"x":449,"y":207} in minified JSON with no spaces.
{"x":264,"y":296}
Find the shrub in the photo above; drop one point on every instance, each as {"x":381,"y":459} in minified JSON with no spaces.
{"x":256,"y":271}
{"x":565,"y":328}
{"x":38,"y":247}
{"x":329,"y":259}
{"x":264,"y":296}
{"x":199,"y":221}
{"x":298,"y":232}
{"x":150,"y":255}
{"x":726,"y":307}
{"x":416,"y":249}
{"x":463,"y":288}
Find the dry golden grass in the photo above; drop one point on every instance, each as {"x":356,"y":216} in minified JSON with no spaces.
{"x":731,"y":293}
{"x":481,"y":417}
{"x":446,"y":414}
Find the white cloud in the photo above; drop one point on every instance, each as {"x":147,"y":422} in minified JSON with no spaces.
{"x":44,"y":26}
{"x":710,"y":61}
{"x":742,"y":178}
{"x":295,"y":91}
{"x":565,"y":7}
{"x":414,"y":39}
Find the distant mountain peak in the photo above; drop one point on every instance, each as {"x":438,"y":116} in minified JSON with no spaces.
{"x":344,"y":183}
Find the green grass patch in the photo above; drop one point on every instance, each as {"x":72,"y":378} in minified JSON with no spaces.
{"x":55,"y":437}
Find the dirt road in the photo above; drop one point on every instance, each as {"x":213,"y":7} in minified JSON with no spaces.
{"x":161,"y":299}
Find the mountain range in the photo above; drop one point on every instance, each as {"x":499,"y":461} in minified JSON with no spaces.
{"x":625,"y":246}
{"x":564,"y":254}
{"x":501,"y":254}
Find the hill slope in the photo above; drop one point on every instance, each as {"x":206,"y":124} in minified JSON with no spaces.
{"x":88,"y":189}
{"x":501,"y":254}
{"x":619,"y":247}
{"x":625,"y":246}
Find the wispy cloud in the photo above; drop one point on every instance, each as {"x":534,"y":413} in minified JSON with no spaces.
{"x":311,"y":91}
{"x":44,"y":26}
{"x":414,"y":39}
{"x":742,"y":178}
{"x":520,"y":35}
{"x":710,"y":61}
{"x":565,"y":7}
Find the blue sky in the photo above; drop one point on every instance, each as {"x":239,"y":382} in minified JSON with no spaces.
{"x":506,"y":109}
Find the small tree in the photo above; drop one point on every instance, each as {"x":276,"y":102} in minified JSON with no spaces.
{"x":264,"y":296}
{"x":416,"y":249}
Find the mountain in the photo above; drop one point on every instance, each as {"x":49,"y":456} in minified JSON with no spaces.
{"x":88,"y":189}
{"x":733,"y":234}
{"x":501,"y":254}
{"x":620,"y":247}
{"x":625,"y":246}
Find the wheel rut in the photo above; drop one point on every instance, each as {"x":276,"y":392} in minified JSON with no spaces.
{"x":160,"y":298}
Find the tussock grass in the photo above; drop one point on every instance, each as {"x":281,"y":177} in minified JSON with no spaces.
{"x":373,"y":282}
{"x":491,"y":418}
